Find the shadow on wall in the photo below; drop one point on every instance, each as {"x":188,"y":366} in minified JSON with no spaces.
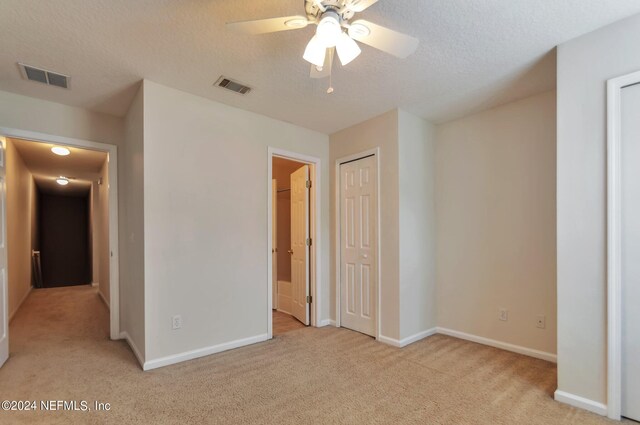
{"x":533,"y":78}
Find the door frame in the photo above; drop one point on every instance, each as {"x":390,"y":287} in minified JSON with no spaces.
{"x":370,"y":152}
{"x":614,"y":242}
{"x":112,"y":159}
{"x":315,"y":233}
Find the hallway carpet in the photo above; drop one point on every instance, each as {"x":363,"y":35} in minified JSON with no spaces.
{"x":60,"y":351}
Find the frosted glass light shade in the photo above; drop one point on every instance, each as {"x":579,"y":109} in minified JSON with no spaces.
{"x":315,"y":52}
{"x":347,"y":49}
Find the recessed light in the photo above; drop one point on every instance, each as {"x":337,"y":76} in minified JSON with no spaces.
{"x":59,"y":150}
{"x":62,"y":181}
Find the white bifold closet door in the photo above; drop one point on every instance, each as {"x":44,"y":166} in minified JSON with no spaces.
{"x":358,"y":245}
{"x":630,"y":197}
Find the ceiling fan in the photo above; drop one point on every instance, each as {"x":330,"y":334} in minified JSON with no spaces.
{"x":335,"y":30}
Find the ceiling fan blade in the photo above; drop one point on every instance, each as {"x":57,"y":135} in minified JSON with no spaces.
{"x":264,"y":26}
{"x":385,"y":39}
{"x":326,"y":68}
{"x":360,"y":5}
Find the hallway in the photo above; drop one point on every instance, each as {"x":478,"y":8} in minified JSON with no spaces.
{"x":61,"y":335}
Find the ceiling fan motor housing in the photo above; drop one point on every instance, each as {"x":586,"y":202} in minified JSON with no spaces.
{"x":314,"y":13}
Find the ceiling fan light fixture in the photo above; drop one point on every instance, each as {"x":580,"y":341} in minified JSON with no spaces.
{"x":347,"y":49}
{"x":315,"y":52}
{"x":329,"y":29}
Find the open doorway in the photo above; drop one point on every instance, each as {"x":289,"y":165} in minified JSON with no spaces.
{"x":59,"y":234}
{"x":57,"y":219}
{"x":293,"y":228}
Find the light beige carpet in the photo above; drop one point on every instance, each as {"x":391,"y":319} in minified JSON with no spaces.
{"x":60,"y":351}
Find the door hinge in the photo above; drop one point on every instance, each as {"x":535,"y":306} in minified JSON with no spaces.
{"x":309,"y":299}
{"x":309,"y":241}
{"x":308,"y":184}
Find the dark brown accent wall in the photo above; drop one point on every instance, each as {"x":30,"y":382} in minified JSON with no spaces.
{"x":64,"y":240}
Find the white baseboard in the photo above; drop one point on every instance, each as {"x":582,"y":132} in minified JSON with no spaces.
{"x":580,"y":402}
{"x":408,"y":340}
{"x":124,"y":335}
{"x":20,"y":304}
{"x":201,"y":352}
{"x":499,"y":344}
{"x":326,"y":322}
{"x":104,"y":300}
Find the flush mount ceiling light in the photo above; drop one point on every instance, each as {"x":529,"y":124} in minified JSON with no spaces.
{"x":62,"y":181}
{"x":59,"y":150}
{"x":334,"y":30}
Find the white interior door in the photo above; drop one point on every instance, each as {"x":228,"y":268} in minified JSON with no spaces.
{"x":299,"y":248}
{"x":358,"y":245}
{"x":4,"y":296}
{"x":274,"y":244}
{"x":630,"y":157}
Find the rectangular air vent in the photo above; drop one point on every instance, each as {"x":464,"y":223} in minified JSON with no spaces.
{"x":40,"y":75}
{"x":234,"y":86}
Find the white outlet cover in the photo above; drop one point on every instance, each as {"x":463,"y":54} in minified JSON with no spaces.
{"x":176,"y":322}
{"x":503,"y":314}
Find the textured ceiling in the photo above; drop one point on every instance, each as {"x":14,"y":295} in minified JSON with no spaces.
{"x":82,"y":166}
{"x":473,"y":54}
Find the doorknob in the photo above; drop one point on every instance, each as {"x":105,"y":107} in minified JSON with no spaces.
{"x":290,"y":251}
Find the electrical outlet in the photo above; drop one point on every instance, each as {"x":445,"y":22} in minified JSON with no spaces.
{"x":503,"y":314}
{"x":176,"y":322}
{"x":541,"y":321}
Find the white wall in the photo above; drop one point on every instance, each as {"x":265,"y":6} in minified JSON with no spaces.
{"x":205,"y":218}
{"x":381,"y":132}
{"x":131,"y":226}
{"x":584,"y":66}
{"x":496,"y":223}
{"x":417,"y":222}
{"x":27,"y":113}
{"x":20,"y":207}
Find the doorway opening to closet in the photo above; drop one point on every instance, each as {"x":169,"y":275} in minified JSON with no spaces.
{"x":293,"y":243}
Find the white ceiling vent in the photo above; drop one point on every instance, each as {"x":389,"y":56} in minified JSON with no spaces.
{"x":43,"y":76}
{"x":234,"y":86}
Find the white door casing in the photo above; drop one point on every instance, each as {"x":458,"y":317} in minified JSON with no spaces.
{"x":618,"y":113}
{"x":299,"y":249}
{"x":4,"y":306}
{"x":630,"y":251}
{"x":358,"y":245}
{"x":274,"y":243}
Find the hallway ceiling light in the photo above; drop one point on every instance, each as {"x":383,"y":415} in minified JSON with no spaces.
{"x":59,"y":150}
{"x":62,"y":181}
